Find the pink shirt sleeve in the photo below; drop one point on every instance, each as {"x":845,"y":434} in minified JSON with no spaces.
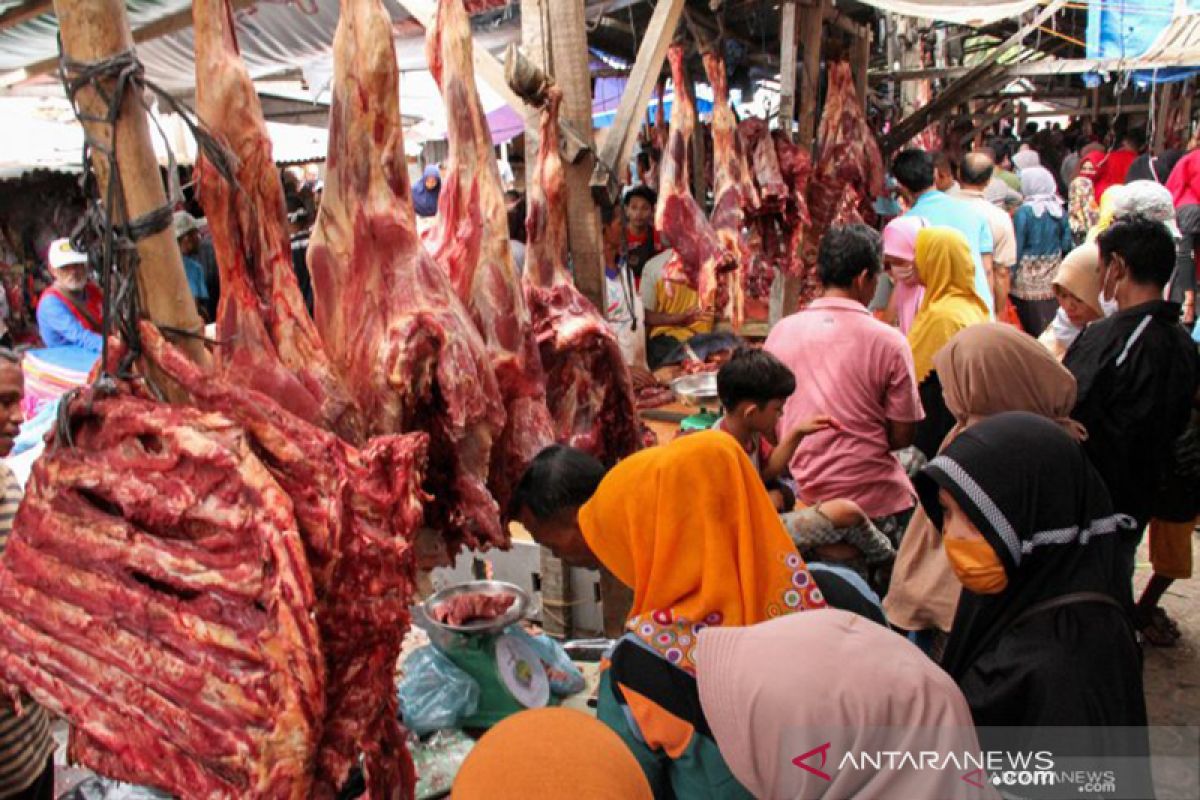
{"x":903,"y":402}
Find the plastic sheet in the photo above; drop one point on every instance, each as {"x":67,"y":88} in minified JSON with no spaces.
{"x":434,"y":693}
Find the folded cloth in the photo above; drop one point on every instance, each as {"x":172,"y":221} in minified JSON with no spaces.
{"x":810,"y":528}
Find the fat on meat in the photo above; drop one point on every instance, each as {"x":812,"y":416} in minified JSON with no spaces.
{"x":399,"y":334}
{"x":589,"y":390}
{"x":700,"y":256}
{"x":357,"y":511}
{"x":472,"y":245}
{"x":734,"y":193}
{"x":267,"y":339}
{"x":155,"y":593}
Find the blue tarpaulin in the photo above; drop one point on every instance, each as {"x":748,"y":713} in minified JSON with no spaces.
{"x":1119,"y":29}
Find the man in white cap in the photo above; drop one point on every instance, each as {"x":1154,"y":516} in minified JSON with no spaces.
{"x":70,"y":310}
{"x":187,"y":231}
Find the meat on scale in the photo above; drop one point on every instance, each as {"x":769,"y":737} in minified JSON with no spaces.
{"x":399,"y":334}
{"x":699,"y":256}
{"x":472,"y":245}
{"x":267,"y":339}
{"x":155,"y":593}
{"x":589,"y":391}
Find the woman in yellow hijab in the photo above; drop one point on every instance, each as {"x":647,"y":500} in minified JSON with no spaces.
{"x":945,"y":268}
{"x":690,"y":528}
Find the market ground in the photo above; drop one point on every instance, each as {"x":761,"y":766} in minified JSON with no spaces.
{"x":1172,"y":674}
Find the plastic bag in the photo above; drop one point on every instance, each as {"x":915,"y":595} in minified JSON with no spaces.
{"x":98,"y":788}
{"x":437,"y":760}
{"x":434,"y":692}
{"x":565,"y":677}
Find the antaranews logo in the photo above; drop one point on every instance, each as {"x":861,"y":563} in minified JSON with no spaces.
{"x":998,"y":768}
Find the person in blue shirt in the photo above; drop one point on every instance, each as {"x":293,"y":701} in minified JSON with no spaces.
{"x":70,"y":310}
{"x":187,"y":231}
{"x":1043,"y":231}
{"x":913,"y":170}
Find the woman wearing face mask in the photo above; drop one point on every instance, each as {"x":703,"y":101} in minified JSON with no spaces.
{"x":1040,"y":637}
{"x":985,"y":370}
{"x":899,"y":259}
{"x":1077,"y":288}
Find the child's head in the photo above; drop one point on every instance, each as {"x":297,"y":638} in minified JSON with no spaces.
{"x":753,"y":386}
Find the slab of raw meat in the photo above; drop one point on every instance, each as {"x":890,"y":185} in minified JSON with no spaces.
{"x":588,"y":388}
{"x":472,"y":245}
{"x":472,"y":607}
{"x":358,"y":511}
{"x":155,"y":593}
{"x":734,"y":194}
{"x":398,"y":333}
{"x":699,"y":254}
{"x":268,"y":341}
{"x":772,"y":189}
{"x":849,"y":170}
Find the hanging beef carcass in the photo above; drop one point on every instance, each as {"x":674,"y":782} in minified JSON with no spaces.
{"x":734,"y":195}
{"x":849,"y":169}
{"x":404,"y":342}
{"x":357,"y":511}
{"x":472,"y":245}
{"x":796,"y":166}
{"x":156,"y":594}
{"x":589,"y":390}
{"x":268,"y":341}
{"x":699,"y":256}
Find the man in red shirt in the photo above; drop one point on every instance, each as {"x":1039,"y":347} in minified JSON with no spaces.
{"x":641,"y":240}
{"x":1114,"y":166}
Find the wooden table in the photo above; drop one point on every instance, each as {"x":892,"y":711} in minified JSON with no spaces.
{"x":666,"y":429}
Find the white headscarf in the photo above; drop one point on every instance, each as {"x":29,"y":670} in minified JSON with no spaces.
{"x":1026,"y":159}
{"x":1041,"y":192}
{"x":1150,"y":199}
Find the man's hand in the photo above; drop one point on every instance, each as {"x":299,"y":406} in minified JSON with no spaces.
{"x":820,"y":423}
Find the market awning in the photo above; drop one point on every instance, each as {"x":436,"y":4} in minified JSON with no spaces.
{"x":955,"y":11}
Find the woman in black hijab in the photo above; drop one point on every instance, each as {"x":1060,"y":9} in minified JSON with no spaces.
{"x":1041,"y":637}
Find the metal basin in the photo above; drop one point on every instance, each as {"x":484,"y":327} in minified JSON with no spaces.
{"x":697,"y":390}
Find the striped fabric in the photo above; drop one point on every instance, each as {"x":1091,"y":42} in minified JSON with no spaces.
{"x":25,"y":742}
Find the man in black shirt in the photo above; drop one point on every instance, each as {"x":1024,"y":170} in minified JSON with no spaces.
{"x":1137,"y":372}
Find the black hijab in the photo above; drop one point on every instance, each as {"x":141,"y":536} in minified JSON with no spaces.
{"x":1030,"y":490}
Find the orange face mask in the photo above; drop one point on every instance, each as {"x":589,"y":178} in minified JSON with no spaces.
{"x":976,"y":565}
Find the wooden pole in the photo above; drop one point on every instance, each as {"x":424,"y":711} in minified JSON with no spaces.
{"x":787,"y":68}
{"x":1162,"y":119}
{"x":860,"y":63}
{"x":93,"y":30}
{"x":785,"y":299}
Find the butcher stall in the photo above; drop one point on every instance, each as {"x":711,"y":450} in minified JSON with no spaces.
{"x":276,"y":558}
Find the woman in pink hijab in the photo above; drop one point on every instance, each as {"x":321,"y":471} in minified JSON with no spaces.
{"x":878,"y":692}
{"x":899,"y":258}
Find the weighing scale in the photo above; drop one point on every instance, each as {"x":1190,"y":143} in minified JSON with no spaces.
{"x":509,"y":672}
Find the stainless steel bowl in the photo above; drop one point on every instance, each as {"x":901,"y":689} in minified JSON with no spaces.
{"x":697,"y":390}
{"x":514,"y":613}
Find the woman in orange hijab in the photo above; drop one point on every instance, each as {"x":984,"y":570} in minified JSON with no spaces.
{"x":690,"y":529}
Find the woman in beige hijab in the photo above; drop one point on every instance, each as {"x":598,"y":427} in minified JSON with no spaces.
{"x":985,"y":370}
{"x":1077,"y":289}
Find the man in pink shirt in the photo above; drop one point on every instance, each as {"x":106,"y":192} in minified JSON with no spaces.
{"x":860,"y":372}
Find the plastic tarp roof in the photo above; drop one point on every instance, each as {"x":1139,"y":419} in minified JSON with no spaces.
{"x":1157,"y":30}
{"x":955,"y":11}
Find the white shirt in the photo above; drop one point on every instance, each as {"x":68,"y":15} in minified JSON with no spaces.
{"x":625,"y":315}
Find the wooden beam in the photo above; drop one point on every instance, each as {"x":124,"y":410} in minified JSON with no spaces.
{"x":988,"y":121}
{"x":618,"y":145}
{"x":860,"y":62}
{"x":961,"y":89}
{"x":30,"y":9}
{"x":1166,"y":94}
{"x":1041,"y":67}
{"x":787,"y":69}
{"x":94,"y":30}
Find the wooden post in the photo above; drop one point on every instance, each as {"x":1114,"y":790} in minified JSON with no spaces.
{"x":785,"y":294}
{"x":787,"y":67}
{"x":1162,"y":120}
{"x":860,"y":63}
{"x":1188,"y":91}
{"x":93,"y":30}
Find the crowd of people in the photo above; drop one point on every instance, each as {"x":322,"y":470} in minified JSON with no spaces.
{"x":947,"y":478}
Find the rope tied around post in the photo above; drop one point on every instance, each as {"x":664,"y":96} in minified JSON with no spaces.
{"x":105,"y":232}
